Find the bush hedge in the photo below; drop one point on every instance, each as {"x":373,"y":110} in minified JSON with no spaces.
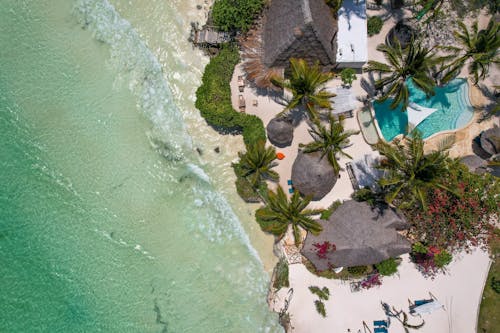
{"x":387,"y":267}
{"x":213,"y":99}
{"x":231,"y":15}
{"x":374,"y":25}
{"x":281,"y":274}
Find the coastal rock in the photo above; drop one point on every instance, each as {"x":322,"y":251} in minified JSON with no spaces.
{"x":313,"y":175}
{"x":280,"y":132}
{"x":361,"y":235}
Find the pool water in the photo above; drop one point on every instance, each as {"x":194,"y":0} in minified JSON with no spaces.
{"x":452,"y":101}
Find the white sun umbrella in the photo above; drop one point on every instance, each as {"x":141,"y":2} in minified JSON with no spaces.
{"x":417,"y":114}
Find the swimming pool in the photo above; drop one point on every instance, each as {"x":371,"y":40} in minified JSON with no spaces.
{"x":454,"y":110}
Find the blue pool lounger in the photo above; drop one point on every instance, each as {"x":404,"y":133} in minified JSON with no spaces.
{"x":290,"y":190}
{"x":380,"y":323}
{"x":380,"y":330}
{"x":289,"y":182}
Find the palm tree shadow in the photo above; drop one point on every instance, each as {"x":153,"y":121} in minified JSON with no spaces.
{"x":492,"y":108}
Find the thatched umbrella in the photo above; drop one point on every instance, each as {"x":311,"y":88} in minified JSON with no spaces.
{"x":280,"y":132}
{"x":473,"y":162}
{"x":490,"y":140}
{"x":313,"y":175}
{"x":362,"y":235}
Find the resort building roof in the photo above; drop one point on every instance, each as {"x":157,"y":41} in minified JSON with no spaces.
{"x":362,"y":235}
{"x":343,"y":101}
{"x":299,"y":29}
{"x":352,"y":38}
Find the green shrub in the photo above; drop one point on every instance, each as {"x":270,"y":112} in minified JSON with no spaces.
{"x":334,"y":5}
{"x":281,"y":274}
{"x":323,"y":293}
{"x":245,"y":190}
{"x":348,"y":75}
{"x":374,"y":25}
{"x":442,"y":259}
{"x":387,"y":267}
{"x":320,"y":307}
{"x":495,"y":285}
{"x":325,"y":215}
{"x":365,"y":194}
{"x":419,"y":248}
{"x":357,"y":270}
{"x":231,"y":15}
{"x":213,"y":99}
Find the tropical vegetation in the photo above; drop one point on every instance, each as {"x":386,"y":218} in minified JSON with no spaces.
{"x":213,"y":99}
{"x":489,"y":316}
{"x":410,"y":173}
{"x":415,"y":63}
{"x":330,"y":140}
{"x":256,"y":163}
{"x":236,"y":15}
{"x":253,"y":169}
{"x":279,"y":212}
{"x":374,"y":25}
{"x":306,"y":83}
{"x":477,"y":47}
{"x":460,"y":220}
{"x":281,"y":274}
{"x":347,"y":75}
{"x":387,"y":267}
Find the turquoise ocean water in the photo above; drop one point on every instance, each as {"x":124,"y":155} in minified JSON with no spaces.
{"x":108,"y":222}
{"x":454,"y":110}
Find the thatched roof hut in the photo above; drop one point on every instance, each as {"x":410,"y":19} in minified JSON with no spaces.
{"x":361,"y":234}
{"x":280,"y":132}
{"x":473,"y":162}
{"x":313,"y":175}
{"x":300,"y":29}
{"x":289,"y":29}
{"x":490,"y":140}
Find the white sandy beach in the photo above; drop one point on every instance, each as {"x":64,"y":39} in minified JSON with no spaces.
{"x":459,"y":290}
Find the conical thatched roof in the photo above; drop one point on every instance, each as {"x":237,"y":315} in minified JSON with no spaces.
{"x":300,"y":29}
{"x":313,"y":175}
{"x":490,"y":141}
{"x":362,"y":236}
{"x":280,"y":132}
{"x":473,"y":162}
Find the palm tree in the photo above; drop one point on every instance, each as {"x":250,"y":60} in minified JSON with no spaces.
{"x":306,"y":85}
{"x":411,"y":63}
{"x":409,"y":172}
{"x":256,"y":163}
{"x":478,"y":47}
{"x":279,"y":213}
{"x":330,"y":140}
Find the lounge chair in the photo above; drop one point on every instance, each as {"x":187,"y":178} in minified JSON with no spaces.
{"x":380,"y":330}
{"x":241,"y":103}
{"x":380,"y":323}
{"x":291,"y":190}
{"x":241,"y":83}
{"x":289,"y":182}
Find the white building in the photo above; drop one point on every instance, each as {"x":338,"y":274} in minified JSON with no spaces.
{"x":352,"y":36}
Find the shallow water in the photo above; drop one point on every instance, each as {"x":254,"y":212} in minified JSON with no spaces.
{"x":108,"y":220}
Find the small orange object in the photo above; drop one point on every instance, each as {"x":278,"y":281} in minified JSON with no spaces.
{"x":280,"y":156}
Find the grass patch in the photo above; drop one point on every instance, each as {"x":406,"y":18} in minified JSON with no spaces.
{"x":489,"y":316}
{"x":213,"y":99}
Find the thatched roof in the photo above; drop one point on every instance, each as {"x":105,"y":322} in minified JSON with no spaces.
{"x":301,"y":29}
{"x":490,"y":140}
{"x":280,"y":132}
{"x":313,"y":175}
{"x":473,"y":162}
{"x":362,"y":236}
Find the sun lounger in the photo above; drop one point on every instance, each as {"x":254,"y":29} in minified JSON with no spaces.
{"x":380,"y":330}
{"x":241,"y":83}
{"x":241,"y":103}
{"x":289,"y":182}
{"x":380,"y":323}
{"x":291,"y":190}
